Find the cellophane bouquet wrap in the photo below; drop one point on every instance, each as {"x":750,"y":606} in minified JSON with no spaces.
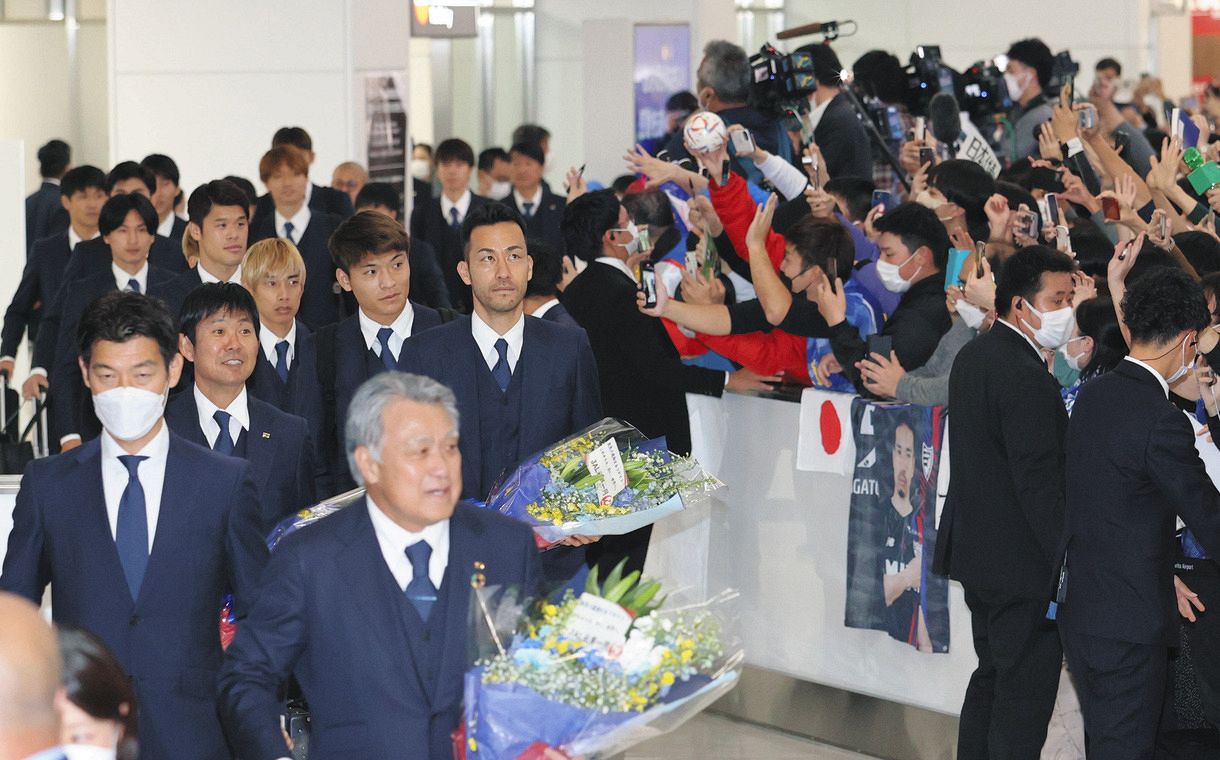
{"x":608,"y":479}
{"x":592,"y":673}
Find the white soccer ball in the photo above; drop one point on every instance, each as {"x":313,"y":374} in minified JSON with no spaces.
{"x":705,"y":131}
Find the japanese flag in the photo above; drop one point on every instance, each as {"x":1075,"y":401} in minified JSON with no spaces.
{"x":826,"y":443}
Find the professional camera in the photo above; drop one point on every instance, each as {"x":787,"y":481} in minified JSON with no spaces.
{"x":983,"y":93}
{"x":1063,"y":70}
{"x":783,"y":83}
{"x":928,"y":75}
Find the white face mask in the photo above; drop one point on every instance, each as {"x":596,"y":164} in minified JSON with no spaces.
{"x":890,"y":277}
{"x":89,"y":752}
{"x":1183,"y":367}
{"x":1016,"y":84}
{"x":633,"y":245}
{"x":499,"y":189}
{"x":1075,"y":361}
{"x":1057,"y":326}
{"x":926,"y":200}
{"x":972,"y":315}
{"x":421,"y":168}
{"x":129,"y":413}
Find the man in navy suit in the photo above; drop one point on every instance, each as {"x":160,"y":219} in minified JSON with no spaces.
{"x":427,"y":281}
{"x":44,"y":216}
{"x":370,"y":255}
{"x":285,"y":172}
{"x":439,"y":220}
{"x":542,"y":293}
{"x":541,"y":209}
{"x":326,"y":200}
{"x":219,"y":335}
{"x":368,"y":607}
{"x":125,"y":224}
{"x":82,"y":191}
{"x":139,"y":533}
{"x":219,"y":227}
{"x":165,"y":195}
{"x":286,"y":368}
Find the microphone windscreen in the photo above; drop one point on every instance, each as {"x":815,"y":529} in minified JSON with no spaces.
{"x":944,"y":118}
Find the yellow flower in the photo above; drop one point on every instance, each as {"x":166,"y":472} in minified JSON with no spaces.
{"x":474,"y":745}
{"x":687,"y":655}
{"x":550,"y":610}
{"x":667,"y":678}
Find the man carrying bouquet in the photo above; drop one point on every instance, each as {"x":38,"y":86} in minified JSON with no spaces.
{"x":521,"y":383}
{"x":368,"y":607}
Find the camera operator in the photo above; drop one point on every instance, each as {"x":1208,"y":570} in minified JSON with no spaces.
{"x":1029,"y":71}
{"x":836,"y":128}
{"x":880,"y":76}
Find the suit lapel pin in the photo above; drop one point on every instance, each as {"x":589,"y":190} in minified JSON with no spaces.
{"x":266,"y":434}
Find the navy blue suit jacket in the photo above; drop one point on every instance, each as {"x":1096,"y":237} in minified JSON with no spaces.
{"x":322,"y":200}
{"x":207,"y":540}
{"x":345,"y":343}
{"x":328,"y":612}
{"x":429,"y":223}
{"x":559,"y":315}
{"x":277,"y":447}
{"x":178,"y":230}
{"x":45,"y":215}
{"x":322,"y":302}
{"x":546,"y":223}
{"x":559,"y":386}
{"x":93,"y":256}
{"x":39,"y":283}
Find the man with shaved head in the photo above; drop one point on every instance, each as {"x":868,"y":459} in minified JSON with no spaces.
{"x":29,"y":677}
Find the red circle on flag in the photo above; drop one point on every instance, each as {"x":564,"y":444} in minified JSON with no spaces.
{"x":832,"y":430}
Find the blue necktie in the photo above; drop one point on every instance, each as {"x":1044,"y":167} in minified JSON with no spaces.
{"x":420,"y":591}
{"x":281,"y":360}
{"x":387,"y":356}
{"x":133,"y":285}
{"x":501,"y":372}
{"x":224,"y":441}
{"x":131,"y":530}
{"x":288,"y":230}
{"x":529,"y":209}
{"x":454,"y":221}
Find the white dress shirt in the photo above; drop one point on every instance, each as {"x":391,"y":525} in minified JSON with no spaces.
{"x":522,"y":200}
{"x":816,"y":113}
{"x":74,"y":239}
{"x":151,"y":474}
{"x":239,"y":416}
{"x":544,"y":308}
{"x":300,"y":220}
{"x":394,"y":540}
{"x":618,"y":264}
{"x":166,"y":226}
{"x":121,"y":278}
{"x":486,"y":339}
{"x":308,"y":193}
{"x":461,"y":204}
{"x":401,"y":327}
{"x":1157,"y":375}
{"x":205,"y":276}
{"x":1037,"y":349}
{"x":268,"y":340}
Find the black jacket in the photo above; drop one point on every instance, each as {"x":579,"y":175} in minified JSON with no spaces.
{"x":428,"y":223}
{"x":843,"y":141}
{"x":546,"y":222}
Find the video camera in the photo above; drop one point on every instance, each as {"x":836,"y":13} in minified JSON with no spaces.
{"x":927,"y":76}
{"x":782,"y":83}
{"x":982,"y":92}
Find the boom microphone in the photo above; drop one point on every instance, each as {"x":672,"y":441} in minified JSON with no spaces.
{"x":817,"y":27}
{"x":944,"y":118}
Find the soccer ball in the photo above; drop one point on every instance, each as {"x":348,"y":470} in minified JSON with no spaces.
{"x":705,"y":131}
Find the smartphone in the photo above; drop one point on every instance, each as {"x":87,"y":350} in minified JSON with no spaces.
{"x":980,"y":253}
{"x":645,"y":238}
{"x":1042,"y":178}
{"x":711,"y":260}
{"x":953,"y":271}
{"x":1122,"y":143}
{"x":1175,"y":123}
{"x":648,"y":283}
{"x":1109,"y":207}
{"x":894,"y":122}
{"x":812,"y":163}
{"x":833,"y":274}
{"x":1063,"y":240}
{"x":1027,"y":224}
{"x":1086,"y":117}
{"x":880,"y":344}
{"x":927,"y":156}
{"x":1070,"y":87}
{"x":743,"y":141}
{"x":885,"y":199}
{"x":1162,"y":226}
{"x":692,"y":261}
{"x":921,"y":129}
{"x":1052,"y":209}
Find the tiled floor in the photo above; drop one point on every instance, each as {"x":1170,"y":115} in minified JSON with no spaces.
{"x":714,"y":736}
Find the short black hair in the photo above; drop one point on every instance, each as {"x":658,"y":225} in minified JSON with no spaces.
{"x":917,"y":226}
{"x":880,"y":74}
{"x":826,"y":66}
{"x":218,"y":192}
{"x":1109,"y":63}
{"x":379,"y":194}
{"x":125,"y":170}
{"x":294,"y":136}
{"x":1034,"y":53}
{"x":1162,"y":304}
{"x":489,"y":157}
{"x":1022,"y":274}
{"x":817,"y":241}
{"x":162,"y":166}
{"x":363,"y":234}
{"x":682,"y":102}
{"x":548,"y":269}
{"x":53,"y":158}
{"x":529,"y":150}
{"x":121,"y":315}
{"x":622,"y":182}
{"x":213,"y":298}
{"x":651,"y":207}
{"x":969,"y":186}
{"x":454,"y":149}
{"x":1201,"y":250}
{"x":79,"y":178}
{"x":246,"y":186}
{"x":531,"y":133}
{"x":485,"y":216}
{"x":114,"y":213}
{"x":586,"y":219}
{"x":856,"y":192}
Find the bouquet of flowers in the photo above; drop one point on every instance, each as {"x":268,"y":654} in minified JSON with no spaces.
{"x":608,"y":479}
{"x":593,"y":673}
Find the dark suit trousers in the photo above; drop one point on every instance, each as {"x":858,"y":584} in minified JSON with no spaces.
{"x":1203,"y":635}
{"x":1121,"y":688}
{"x":611,"y":550}
{"x":1011,"y":694}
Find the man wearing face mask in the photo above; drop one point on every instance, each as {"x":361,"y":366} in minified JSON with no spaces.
{"x":1131,"y":467}
{"x":1027,"y":73}
{"x":135,"y":550}
{"x":1000,"y":530}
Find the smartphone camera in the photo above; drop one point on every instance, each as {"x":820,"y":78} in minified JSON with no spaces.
{"x":648,"y":283}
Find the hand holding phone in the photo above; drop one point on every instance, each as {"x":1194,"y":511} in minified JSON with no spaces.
{"x":880,"y":344}
{"x":1052,"y":209}
{"x":648,"y":284}
{"x":1111,"y":209}
{"x":885,"y":199}
{"x":743,"y":142}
